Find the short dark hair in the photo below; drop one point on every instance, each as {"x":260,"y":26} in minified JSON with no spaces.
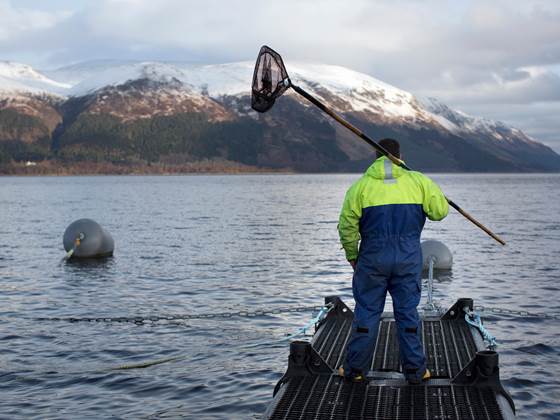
{"x":391,"y":145}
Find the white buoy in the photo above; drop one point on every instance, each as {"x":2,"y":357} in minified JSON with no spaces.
{"x":439,"y":253}
{"x":436,"y":256}
{"x":85,"y":238}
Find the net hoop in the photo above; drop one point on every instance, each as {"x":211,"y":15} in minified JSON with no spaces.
{"x":270,"y":79}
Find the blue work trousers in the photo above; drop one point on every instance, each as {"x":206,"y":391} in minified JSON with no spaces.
{"x":392,"y":265}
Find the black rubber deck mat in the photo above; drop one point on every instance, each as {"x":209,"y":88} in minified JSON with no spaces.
{"x":448,"y":345}
{"x":330,"y":340}
{"x":465,"y":380}
{"x":330,"y":397}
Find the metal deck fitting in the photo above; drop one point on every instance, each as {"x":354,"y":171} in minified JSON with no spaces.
{"x":465,"y":380}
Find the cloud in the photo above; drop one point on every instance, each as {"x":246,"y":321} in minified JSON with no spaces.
{"x":474,"y":54}
{"x":402,"y":40}
{"x":520,"y":86}
{"x":16,"y":20}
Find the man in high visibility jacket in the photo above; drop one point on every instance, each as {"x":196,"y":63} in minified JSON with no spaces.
{"x":385,"y":210}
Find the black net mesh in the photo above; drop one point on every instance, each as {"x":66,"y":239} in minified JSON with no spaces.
{"x":270,"y":79}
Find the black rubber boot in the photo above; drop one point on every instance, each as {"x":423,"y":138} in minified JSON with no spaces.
{"x":352,"y":376}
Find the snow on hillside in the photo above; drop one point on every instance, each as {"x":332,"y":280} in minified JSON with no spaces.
{"x":357,"y":89}
{"x":21,"y":78}
{"x":459,"y":122}
{"x":360,"y":91}
{"x":346,"y":90}
{"x":214,"y":80}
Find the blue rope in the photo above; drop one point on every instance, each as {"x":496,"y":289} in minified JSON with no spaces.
{"x":303,"y":330}
{"x":477,"y":323}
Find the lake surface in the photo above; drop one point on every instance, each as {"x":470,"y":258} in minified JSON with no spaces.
{"x":205,"y":244}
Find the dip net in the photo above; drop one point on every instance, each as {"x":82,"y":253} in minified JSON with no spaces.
{"x":270,"y":80}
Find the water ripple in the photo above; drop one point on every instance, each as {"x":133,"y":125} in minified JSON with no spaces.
{"x":253,"y":241}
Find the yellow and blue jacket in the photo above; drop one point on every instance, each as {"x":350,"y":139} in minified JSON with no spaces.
{"x":388,"y":203}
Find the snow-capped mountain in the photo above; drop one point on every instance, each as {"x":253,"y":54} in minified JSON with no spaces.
{"x":21,"y":78}
{"x":460,"y":123}
{"x":349,"y":91}
{"x":112,"y":98}
{"x":214,"y":80}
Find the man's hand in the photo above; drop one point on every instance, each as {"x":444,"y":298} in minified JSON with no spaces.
{"x":353,"y":264}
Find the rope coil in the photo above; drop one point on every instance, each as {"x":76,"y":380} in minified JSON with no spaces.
{"x":472,"y":318}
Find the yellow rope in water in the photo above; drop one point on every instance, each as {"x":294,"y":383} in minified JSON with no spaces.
{"x":148,"y":364}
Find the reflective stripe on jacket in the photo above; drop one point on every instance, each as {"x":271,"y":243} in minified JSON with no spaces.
{"x":388,"y":201}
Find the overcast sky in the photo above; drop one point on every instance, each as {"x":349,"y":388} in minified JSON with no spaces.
{"x":494,"y":58}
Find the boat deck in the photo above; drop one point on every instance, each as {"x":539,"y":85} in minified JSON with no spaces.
{"x":459,"y":388}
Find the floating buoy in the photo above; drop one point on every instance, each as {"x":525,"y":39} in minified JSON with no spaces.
{"x":85,"y":238}
{"x":439,"y":253}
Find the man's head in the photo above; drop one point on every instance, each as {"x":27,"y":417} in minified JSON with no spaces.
{"x":391,"y":145}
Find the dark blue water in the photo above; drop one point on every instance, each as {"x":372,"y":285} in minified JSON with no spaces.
{"x":197,"y":244}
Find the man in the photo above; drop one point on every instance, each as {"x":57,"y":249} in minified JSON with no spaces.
{"x":386,"y":210}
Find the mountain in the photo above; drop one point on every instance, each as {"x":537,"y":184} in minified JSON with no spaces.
{"x":172,"y":114}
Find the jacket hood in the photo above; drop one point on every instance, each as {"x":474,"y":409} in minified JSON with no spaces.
{"x":383,"y":168}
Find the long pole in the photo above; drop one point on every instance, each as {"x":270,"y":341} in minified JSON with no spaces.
{"x":391,"y":157}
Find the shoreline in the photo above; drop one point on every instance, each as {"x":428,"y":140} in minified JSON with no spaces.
{"x":57,"y":168}
{"x":52,"y":168}
{"x":255,"y":172}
